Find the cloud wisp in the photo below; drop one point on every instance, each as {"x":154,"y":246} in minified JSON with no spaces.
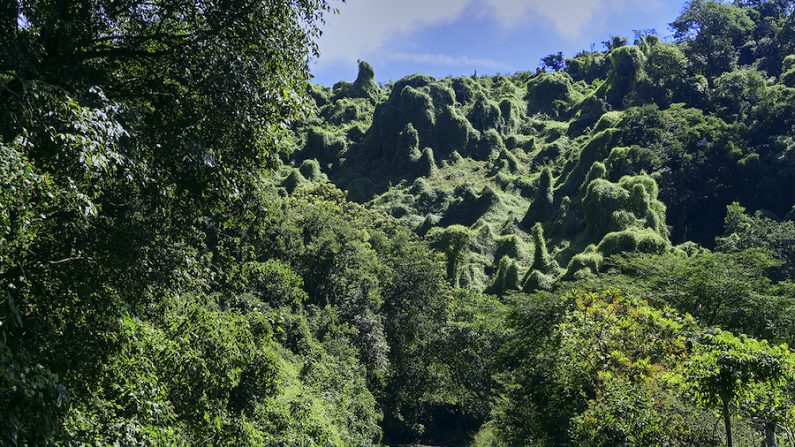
{"x":444,"y":59}
{"x":568,"y":17}
{"x":365,"y":27}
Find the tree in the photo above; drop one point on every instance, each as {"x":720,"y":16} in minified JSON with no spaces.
{"x":614,"y":42}
{"x":727,"y":370}
{"x":728,"y":290}
{"x":713,"y":32}
{"x":134,"y":135}
{"x":744,"y":231}
{"x":554,"y":62}
{"x":594,"y":369}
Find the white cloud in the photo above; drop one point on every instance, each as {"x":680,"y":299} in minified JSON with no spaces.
{"x":443,"y":59}
{"x":363,"y":26}
{"x":569,"y":17}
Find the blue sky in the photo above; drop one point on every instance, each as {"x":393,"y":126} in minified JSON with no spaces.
{"x":459,"y":37}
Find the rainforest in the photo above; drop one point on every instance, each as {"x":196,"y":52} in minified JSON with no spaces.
{"x":201,"y":246}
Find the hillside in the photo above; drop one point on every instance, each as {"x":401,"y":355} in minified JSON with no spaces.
{"x":528,"y":179}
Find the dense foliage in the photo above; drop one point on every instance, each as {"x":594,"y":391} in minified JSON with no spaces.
{"x":199,"y":247}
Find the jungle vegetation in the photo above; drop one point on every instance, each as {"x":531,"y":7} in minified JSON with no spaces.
{"x":198,"y":246}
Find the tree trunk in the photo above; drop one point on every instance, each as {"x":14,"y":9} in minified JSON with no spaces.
{"x":727,"y":420}
{"x":771,"y":440}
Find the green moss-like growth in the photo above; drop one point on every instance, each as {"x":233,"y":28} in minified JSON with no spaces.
{"x":550,"y":154}
{"x":454,"y":242}
{"x":408,"y":149}
{"x":363,"y":87}
{"x":356,"y":132}
{"x":361,"y":190}
{"x":346,"y":110}
{"x":536,"y":281}
{"x":587,"y":262}
{"x":488,"y":146}
{"x":484,"y":114}
{"x":645,"y":203}
{"x":510,"y":115}
{"x":468,"y":206}
{"x":788,"y":63}
{"x":323,"y":146}
{"x":602,"y":199}
{"x":630,"y":161}
{"x":453,"y":132}
{"x":551,"y":94}
{"x":543,"y":199}
{"x":426,"y":165}
{"x":506,"y":278}
{"x":597,"y":171}
{"x":542,"y":260}
{"x":466,"y":90}
{"x":293,"y":180}
{"x":625,"y":71}
{"x":609,"y":120}
{"x":589,"y":111}
{"x":511,"y":246}
{"x":644,"y":240}
{"x":320,"y":94}
{"x":416,"y":107}
{"x":506,"y":161}
{"x":588,"y":66}
{"x":310,"y":169}
{"x":788,"y":78}
{"x":630,"y":203}
{"x":596,"y":150}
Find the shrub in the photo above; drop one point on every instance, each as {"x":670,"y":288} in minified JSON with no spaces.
{"x":322,"y":145}
{"x":633,"y":239}
{"x":454,"y":242}
{"x":293,"y":180}
{"x":542,"y":260}
{"x":536,"y":281}
{"x":310,"y":169}
{"x":506,"y":278}
{"x":542,"y":199}
{"x":551,"y":94}
{"x":589,"y":261}
{"x":484,"y":114}
{"x":608,"y":120}
{"x":489,"y":144}
{"x":601,"y":200}
{"x":625,"y":71}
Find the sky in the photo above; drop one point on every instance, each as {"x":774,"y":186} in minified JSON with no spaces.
{"x":460,"y":37}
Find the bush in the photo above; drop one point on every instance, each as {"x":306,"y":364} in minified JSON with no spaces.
{"x":551,"y":94}
{"x":484,"y":114}
{"x":633,"y":239}
{"x":454,"y":242}
{"x":536,"y":281}
{"x":310,"y":169}
{"x":363,"y":87}
{"x":601,"y":200}
{"x":506,"y":278}
{"x":608,"y":120}
{"x":590,"y":261}
{"x":489,"y":144}
{"x":625,"y":70}
{"x":293,"y":180}
{"x":322,"y":145}
{"x":543,"y":198}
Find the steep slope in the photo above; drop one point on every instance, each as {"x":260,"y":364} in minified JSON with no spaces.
{"x":527,"y":179}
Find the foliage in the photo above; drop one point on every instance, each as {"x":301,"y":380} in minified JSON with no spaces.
{"x":197,"y":247}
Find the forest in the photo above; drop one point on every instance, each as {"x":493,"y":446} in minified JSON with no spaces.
{"x":201,"y":246}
